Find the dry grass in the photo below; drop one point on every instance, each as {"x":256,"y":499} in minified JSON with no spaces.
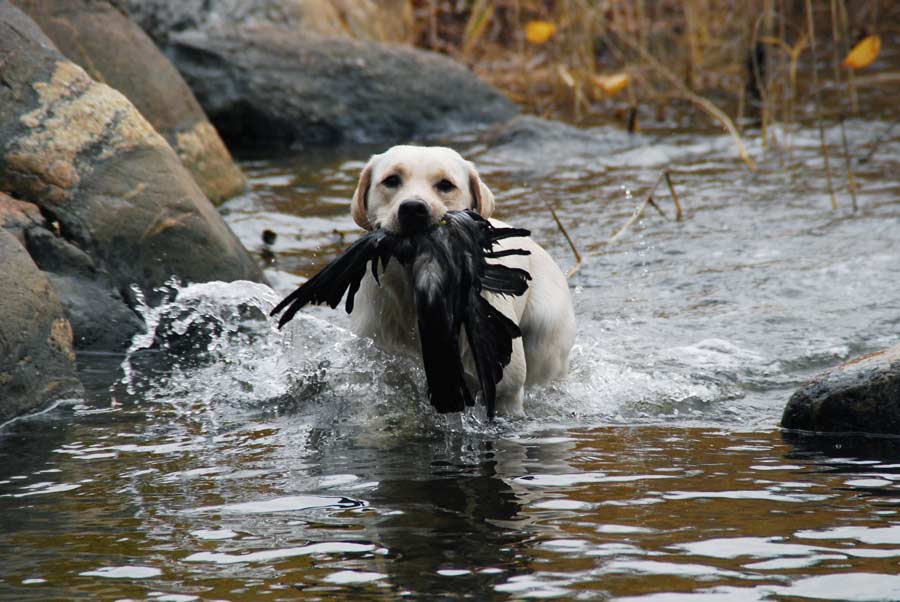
{"x":742,"y":57}
{"x":743,"y":65}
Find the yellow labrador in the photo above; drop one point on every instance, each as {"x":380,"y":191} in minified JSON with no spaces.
{"x":409,"y":188}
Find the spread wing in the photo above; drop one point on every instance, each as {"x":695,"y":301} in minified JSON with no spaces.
{"x":498,"y":278}
{"x":505,"y":280}
{"x":343,"y":273}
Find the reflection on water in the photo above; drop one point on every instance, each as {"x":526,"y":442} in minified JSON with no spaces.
{"x":225,"y":460}
{"x":125,"y":507}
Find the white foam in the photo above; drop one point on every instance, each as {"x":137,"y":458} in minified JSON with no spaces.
{"x":651,"y":567}
{"x":335,"y":547}
{"x":123,"y":572}
{"x":350,"y":577}
{"x":454,"y":572}
{"x":281,"y":504}
{"x":164,"y":597}
{"x":846,"y":587}
{"x":213,"y":534}
{"x":562,"y":505}
{"x":754,"y":547}
{"x":786,"y":564}
{"x":746,"y":495}
{"x":565,"y":480}
{"x":45,"y":490}
{"x":869,"y":535}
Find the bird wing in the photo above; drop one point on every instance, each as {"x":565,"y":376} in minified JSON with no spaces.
{"x":343,"y":273}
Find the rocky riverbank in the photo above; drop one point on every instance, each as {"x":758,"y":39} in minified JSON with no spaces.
{"x":109,"y":163}
{"x":96,"y":205}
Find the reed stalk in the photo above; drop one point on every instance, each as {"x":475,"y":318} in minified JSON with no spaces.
{"x":836,"y":53}
{"x":705,"y":105}
{"x":811,"y":29}
{"x":579,"y":258}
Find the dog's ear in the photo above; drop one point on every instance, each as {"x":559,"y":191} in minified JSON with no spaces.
{"x":359,"y":206}
{"x":482,"y":196}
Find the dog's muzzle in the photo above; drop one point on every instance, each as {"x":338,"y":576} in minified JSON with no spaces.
{"x":414,"y":216}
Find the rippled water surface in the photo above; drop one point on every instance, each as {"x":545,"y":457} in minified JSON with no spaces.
{"x":225,"y":460}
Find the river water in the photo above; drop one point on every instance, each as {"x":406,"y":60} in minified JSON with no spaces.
{"x":225,"y":460}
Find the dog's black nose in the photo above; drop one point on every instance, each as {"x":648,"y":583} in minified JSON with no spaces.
{"x":414,"y":215}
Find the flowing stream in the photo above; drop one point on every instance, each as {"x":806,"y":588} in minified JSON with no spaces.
{"x":222,"y":459}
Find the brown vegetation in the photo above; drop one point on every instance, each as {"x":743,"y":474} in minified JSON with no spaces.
{"x":741,"y":59}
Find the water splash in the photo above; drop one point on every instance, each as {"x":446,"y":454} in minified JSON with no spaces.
{"x":213,"y":356}
{"x":201,"y":326}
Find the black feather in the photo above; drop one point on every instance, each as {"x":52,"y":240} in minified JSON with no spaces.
{"x":449,"y":271}
{"x":490,"y":336}
{"x":329,"y":285}
{"x":437,"y":309}
{"x":506,"y":253}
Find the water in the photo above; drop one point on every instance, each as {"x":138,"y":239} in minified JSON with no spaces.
{"x":242,"y":463}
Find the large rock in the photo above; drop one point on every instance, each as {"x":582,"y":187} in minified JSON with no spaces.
{"x":94,"y":307}
{"x":377,"y":20}
{"x":111,"y":49}
{"x":37,"y":364}
{"x":860,"y":396}
{"x":118,"y":207}
{"x":265,"y":85}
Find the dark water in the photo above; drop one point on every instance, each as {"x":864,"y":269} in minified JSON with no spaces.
{"x":240,"y":463}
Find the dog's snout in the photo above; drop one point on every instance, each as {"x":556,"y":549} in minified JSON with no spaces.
{"x":414,"y":215}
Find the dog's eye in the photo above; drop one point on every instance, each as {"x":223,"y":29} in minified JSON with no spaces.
{"x":445,"y":186}
{"x":392,"y":181}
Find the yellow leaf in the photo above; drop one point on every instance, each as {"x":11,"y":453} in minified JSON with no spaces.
{"x":864,"y":53}
{"x":538,"y":32}
{"x":612,"y":84}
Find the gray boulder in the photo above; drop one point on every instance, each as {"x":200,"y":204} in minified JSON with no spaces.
{"x":37,"y":364}
{"x":264,"y":85}
{"x":117,"y":208}
{"x":859,"y":396}
{"x":93,"y":305}
{"x":302,"y":73}
{"x":112,"y":49}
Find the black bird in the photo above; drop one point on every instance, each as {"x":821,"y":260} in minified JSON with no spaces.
{"x":448,"y":269}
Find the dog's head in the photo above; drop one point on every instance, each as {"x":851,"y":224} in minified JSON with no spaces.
{"x":409,"y":188}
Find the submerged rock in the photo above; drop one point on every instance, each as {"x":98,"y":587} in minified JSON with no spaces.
{"x":530,"y":132}
{"x":37,"y":364}
{"x":862,"y":395}
{"x":113,"y":205}
{"x":112,"y":49}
